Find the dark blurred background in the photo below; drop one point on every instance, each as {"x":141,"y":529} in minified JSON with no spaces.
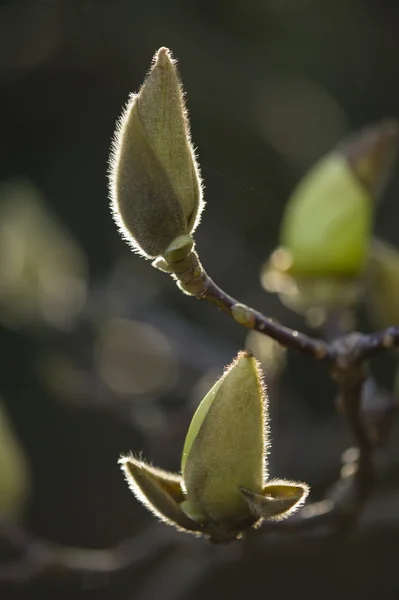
{"x":100,"y":353}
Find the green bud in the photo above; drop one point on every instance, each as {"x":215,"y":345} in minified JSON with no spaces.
{"x":226,"y":443}
{"x":383,"y":284}
{"x":328,"y":218}
{"x":179,"y":249}
{"x":243,"y":315}
{"x":223,"y":489}
{"x":327,"y":221}
{"x":155,"y":183}
{"x":224,"y":456}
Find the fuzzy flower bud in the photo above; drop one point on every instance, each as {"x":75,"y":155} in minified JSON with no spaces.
{"x":224,"y":487}
{"x":327,"y":223}
{"x":220,"y":453}
{"x":155,"y":183}
{"x":328,"y":218}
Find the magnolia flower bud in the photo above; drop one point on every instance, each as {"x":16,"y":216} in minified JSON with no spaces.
{"x":155,"y":183}
{"x":222,"y":451}
{"x":328,"y":217}
{"x":327,"y":223}
{"x":223,"y":489}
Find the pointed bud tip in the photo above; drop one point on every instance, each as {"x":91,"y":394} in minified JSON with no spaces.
{"x":163,"y":57}
{"x":126,"y":461}
{"x":246,"y":360}
{"x":246,"y":354}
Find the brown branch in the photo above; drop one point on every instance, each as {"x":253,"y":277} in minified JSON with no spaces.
{"x":350,"y":400}
{"x":373,"y":343}
{"x":194,"y":280}
{"x":253,"y":319}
